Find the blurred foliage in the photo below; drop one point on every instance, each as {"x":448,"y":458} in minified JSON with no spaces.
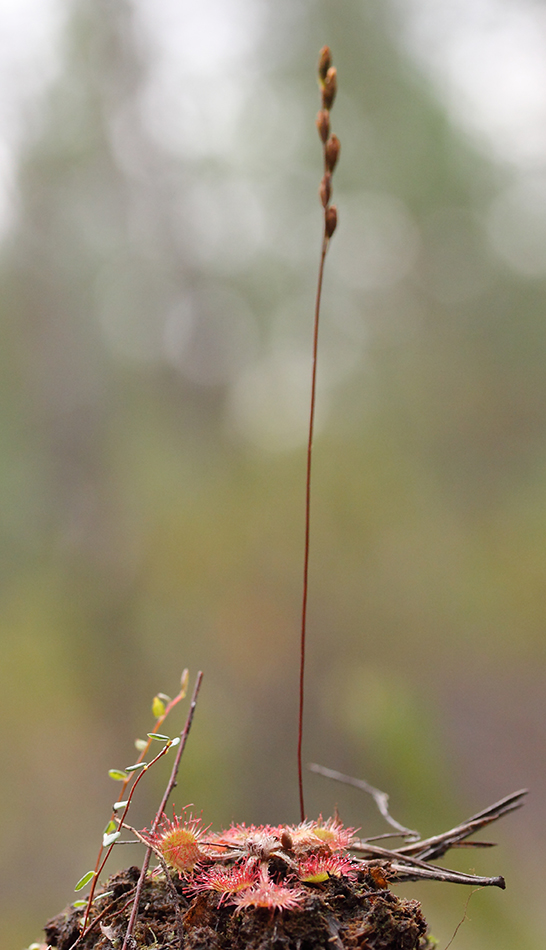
{"x":155,"y":349}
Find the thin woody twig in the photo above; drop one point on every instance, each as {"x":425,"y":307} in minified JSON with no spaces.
{"x":145,"y":767}
{"x":413,"y":871}
{"x":436,"y":846}
{"x":109,"y":909}
{"x":128,"y":939}
{"x":463,"y":918}
{"x":443,"y":874}
{"x":409,"y":861}
{"x":174,"y":895}
{"x":101,"y":861}
{"x":380,"y":798}
{"x":407,"y":868}
{"x":410,"y":858}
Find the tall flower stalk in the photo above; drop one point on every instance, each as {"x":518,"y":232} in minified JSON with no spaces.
{"x":327,"y":76}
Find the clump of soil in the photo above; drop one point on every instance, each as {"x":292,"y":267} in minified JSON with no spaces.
{"x":340,"y":914}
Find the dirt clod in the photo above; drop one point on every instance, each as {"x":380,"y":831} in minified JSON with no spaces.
{"x":337,"y":915}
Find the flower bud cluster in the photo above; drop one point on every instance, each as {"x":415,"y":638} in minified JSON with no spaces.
{"x":327,"y":76}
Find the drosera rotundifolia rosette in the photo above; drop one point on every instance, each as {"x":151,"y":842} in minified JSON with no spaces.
{"x":254,"y":865}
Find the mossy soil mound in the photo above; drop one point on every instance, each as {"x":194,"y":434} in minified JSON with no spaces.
{"x":336,"y":915}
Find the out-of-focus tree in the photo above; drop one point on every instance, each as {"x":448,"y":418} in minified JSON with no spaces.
{"x":155,"y":352}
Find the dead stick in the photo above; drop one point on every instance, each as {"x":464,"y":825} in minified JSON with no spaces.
{"x":170,"y":785}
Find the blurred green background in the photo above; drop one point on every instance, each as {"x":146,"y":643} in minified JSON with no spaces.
{"x":160,"y":234}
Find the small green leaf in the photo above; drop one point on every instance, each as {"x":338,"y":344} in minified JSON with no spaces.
{"x":107,"y":840}
{"x":164,"y":697}
{"x":117,"y":806}
{"x":110,"y":827}
{"x":140,"y":744}
{"x":76,"y":904}
{"x":117,"y":775}
{"x":158,"y":735}
{"x":83,"y":881}
{"x":100,"y":897}
{"x":137,"y":765}
{"x":175,"y":741}
{"x":158,"y":707}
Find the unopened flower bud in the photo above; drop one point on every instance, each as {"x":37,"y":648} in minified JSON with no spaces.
{"x":286,"y":840}
{"x":323,"y":124}
{"x":331,"y":152}
{"x":330,"y":220}
{"x":325,"y":59}
{"x":330,"y":88}
{"x":325,"y":189}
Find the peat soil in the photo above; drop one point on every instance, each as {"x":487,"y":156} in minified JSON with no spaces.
{"x":337,"y":915}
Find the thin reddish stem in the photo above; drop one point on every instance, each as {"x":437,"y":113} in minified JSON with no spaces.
{"x":159,"y":814}
{"x":308,"y":522}
{"x":99,"y":864}
{"x":120,"y":820}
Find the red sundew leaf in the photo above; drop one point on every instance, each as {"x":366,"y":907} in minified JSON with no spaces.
{"x":177,"y":842}
{"x":318,"y":868}
{"x":270,"y":895}
{"x":330,"y":833}
{"x":226,"y":881}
